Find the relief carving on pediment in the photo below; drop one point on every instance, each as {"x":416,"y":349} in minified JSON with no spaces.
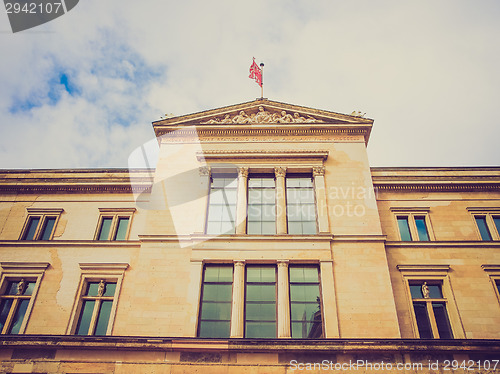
{"x":262,"y":116}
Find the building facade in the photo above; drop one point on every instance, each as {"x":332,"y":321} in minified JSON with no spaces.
{"x":262,"y":242}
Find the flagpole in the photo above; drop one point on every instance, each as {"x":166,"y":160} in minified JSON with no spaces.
{"x":262,"y":80}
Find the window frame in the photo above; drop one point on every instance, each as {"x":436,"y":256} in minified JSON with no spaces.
{"x":316,"y":266}
{"x":493,"y":272}
{"x":490,"y":214}
{"x":115,"y":214}
{"x":200,"y":304}
{"x":274,"y":266}
{"x":95,"y":272}
{"x":221,"y":173}
{"x":15,"y":271}
{"x":43,"y":214}
{"x":432,"y":274}
{"x":411,"y":214}
{"x":315,"y":202}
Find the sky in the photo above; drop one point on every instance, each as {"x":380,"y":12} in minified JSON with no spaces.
{"x":82,"y":90}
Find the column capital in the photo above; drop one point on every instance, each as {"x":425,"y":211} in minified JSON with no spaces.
{"x":280,"y":171}
{"x":318,"y":171}
{"x":243,"y":172}
{"x":239,"y":263}
{"x":283,"y":263}
{"x":204,"y":171}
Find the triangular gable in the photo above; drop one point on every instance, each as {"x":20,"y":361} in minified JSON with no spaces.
{"x":262,"y":111}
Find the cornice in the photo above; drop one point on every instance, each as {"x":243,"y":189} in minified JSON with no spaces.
{"x":444,"y":244}
{"x":169,"y":344}
{"x":263,"y":154}
{"x":84,"y":189}
{"x":437,"y":187}
{"x":69,"y":243}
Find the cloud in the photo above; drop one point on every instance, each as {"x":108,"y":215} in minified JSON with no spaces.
{"x":81,"y":91}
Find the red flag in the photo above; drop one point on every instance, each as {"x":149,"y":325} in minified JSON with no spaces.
{"x":256,"y":73}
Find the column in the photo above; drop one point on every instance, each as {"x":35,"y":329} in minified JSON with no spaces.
{"x":281,"y":227}
{"x":283,"y":301}
{"x":241,"y":205}
{"x":204,"y":172}
{"x":328,"y":298}
{"x":321,"y":203}
{"x":238,"y":303}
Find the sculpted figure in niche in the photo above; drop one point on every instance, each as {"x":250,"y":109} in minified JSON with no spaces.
{"x":101,"y":288}
{"x":21,"y":287}
{"x":425,"y":290}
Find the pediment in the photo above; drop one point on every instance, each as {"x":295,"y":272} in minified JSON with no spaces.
{"x":261,"y":112}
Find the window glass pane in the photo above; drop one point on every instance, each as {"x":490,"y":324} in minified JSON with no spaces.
{"x":253,"y":228}
{"x":435,"y":291}
{"x":85,"y":317}
{"x":261,"y":292}
{"x":214,"y":228}
{"x":30,"y":286}
{"x":421,"y":229}
{"x":17,"y":321}
{"x":4,"y":311}
{"x":497,"y":223}
{"x":47,"y":228}
{"x":483,"y":228}
{"x":304,"y":311}
{"x":222,"y":206}
{"x":121,"y":230}
{"x":103,"y":318}
{"x":260,"y":330}
{"x":261,"y":274}
{"x":32,"y":225}
{"x":268,"y":228}
{"x":12,"y":288}
{"x":303,"y":274}
{"x":260,"y":312}
{"x":105,"y":227}
{"x":306,"y":330}
{"x":92,"y":289}
{"x":442,"y":321}
{"x":416,"y":291}
{"x":214,"y":329}
{"x":423,"y":324}
{"x":110,"y":289}
{"x":404,"y":229}
{"x":309,"y":228}
{"x":217,"y":292}
{"x":216,"y":311}
{"x":304,"y":292}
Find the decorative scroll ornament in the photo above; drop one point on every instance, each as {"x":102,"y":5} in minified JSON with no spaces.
{"x":318,"y":171}
{"x":280,"y":171}
{"x":262,"y":116}
{"x":204,"y":171}
{"x":243,"y":172}
{"x":101,"y":288}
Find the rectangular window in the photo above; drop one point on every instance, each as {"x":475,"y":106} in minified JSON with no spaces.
{"x":423,"y":235}
{"x":222,"y":204}
{"x":261,"y":206}
{"x":14,"y":303}
{"x":40,"y":224}
{"x":305,"y":302}
{"x":404,"y":229}
{"x":300,"y":205}
{"x":483,"y":227}
{"x":413,"y":224}
{"x":429,"y":306}
{"x":260,"y":302}
{"x":216,"y":297}
{"x":96,"y":305}
{"x":114,"y":224}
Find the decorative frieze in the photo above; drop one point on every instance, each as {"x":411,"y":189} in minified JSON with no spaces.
{"x":262,"y":116}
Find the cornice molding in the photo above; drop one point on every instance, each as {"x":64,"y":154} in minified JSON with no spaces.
{"x":55,"y":189}
{"x":442,"y":187}
{"x":14,"y":266}
{"x":263,"y":154}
